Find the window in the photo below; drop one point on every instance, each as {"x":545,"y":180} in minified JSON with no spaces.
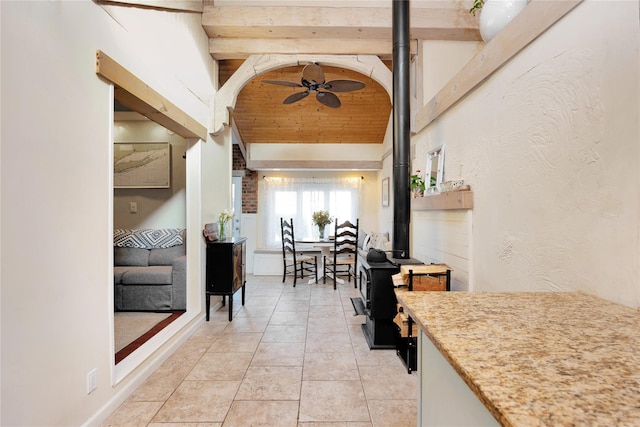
{"x":298,"y":198}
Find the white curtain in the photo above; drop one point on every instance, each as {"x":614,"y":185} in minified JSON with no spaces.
{"x":298,"y":198}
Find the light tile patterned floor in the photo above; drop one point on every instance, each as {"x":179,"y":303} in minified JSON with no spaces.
{"x":291,"y":357}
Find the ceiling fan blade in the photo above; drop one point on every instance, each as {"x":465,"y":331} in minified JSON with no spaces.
{"x":295,"y":97}
{"x":313,"y":73}
{"x":343,"y":85}
{"x":282,"y":83}
{"x":328,"y":99}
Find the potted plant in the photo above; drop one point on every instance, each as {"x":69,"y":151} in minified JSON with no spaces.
{"x":417,"y":184}
{"x":495,"y":15}
{"x":321,"y":219}
{"x":477,"y":5}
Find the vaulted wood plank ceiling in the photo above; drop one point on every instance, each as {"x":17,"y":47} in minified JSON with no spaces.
{"x":260,"y":115}
{"x":237,"y":29}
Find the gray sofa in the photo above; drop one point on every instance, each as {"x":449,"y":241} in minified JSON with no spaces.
{"x":149,"y":272}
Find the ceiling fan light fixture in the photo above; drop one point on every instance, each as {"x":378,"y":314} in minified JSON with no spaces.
{"x":329,"y":99}
{"x":313,"y":79}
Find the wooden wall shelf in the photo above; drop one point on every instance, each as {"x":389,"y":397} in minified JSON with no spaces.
{"x":443,"y":201}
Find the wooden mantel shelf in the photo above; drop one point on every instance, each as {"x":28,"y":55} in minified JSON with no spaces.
{"x":443,"y":201}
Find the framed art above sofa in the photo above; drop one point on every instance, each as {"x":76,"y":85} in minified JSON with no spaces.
{"x":141,"y":165}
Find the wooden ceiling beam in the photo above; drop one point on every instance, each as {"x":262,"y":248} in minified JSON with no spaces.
{"x":301,"y":22}
{"x":241,"y":48}
{"x":535,"y":19}
{"x":194,"y":6}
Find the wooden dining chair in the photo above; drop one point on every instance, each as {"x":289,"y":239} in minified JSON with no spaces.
{"x":343,"y":262}
{"x":294,"y":262}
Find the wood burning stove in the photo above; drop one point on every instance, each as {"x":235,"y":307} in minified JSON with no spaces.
{"x":379,"y":300}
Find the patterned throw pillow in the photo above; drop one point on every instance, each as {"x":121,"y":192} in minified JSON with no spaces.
{"x":361,"y":238}
{"x":148,"y":238}
{"x":373,"y":237}
{"x":381,"y":240}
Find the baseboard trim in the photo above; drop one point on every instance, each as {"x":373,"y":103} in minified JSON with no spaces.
{"x":130,"y":382}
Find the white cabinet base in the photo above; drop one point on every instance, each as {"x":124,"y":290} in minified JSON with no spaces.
{"x":444,"y":398}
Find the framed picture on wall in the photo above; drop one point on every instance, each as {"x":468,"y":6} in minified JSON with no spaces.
{"x":385,"y":192}
{"x":141,"y":165}
{"x":434,"y":175}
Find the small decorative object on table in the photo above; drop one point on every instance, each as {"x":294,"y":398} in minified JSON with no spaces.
{"x":210,"y":232}
{"x":223,"y":218}
{"x":321,"y":219}
{"x":448,"y":186}
{"x":417,"y":184}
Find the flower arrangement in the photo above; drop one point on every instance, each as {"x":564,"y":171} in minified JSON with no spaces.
{"x":322,"y":218}
{"x":223,"y":218}
{"x":417,"y":182}
{"x":226,"y":215}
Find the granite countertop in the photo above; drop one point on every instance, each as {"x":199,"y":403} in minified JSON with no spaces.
{"x":538,"y":358}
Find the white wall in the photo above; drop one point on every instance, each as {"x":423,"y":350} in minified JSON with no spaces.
{"x":549,"y":145}
{"x":356,"y":152}
{"x":442,"y":59}
{"x":156,"y":207}
{"x":56,"y":176}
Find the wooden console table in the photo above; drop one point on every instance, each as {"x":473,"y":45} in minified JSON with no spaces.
{"x":226,"y":274}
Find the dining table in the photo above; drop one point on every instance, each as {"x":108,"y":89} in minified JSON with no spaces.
{"x":325,"y":246}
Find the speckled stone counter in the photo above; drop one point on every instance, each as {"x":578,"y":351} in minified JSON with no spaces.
{"x":554,"y":359}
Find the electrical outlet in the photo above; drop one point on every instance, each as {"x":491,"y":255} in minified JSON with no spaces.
{"x":133,"y":207}
{"x":92,"y":380}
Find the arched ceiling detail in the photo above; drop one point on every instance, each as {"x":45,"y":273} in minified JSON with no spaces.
{"x":255,"y":65}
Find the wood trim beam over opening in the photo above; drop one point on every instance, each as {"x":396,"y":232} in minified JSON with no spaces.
{"x":135,"y":94}
{"x":535,"y":19}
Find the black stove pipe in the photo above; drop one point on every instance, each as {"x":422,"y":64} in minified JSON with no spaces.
{"x":401,"y":129}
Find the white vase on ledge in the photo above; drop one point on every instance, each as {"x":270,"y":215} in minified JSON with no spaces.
{"x":496,"y":14}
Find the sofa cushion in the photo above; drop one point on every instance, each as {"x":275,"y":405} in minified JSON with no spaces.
{"x":381,"y":240}
{"x":365,"y":243}
{"x":371,"y":243}
{"x":118,"y":272}
{"x":131,"y":256}
{"x":165,"y":256}
{"x":153,"y":275}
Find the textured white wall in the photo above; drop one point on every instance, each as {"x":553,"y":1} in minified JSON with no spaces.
{"x":549,"y":145}
{"x":443,"y":59}
{"x":57,"y":188}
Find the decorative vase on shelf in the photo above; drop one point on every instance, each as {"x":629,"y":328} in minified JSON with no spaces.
{"x":222,"y":230}
{"x":417,"y":192}
{"x":496,"y":14}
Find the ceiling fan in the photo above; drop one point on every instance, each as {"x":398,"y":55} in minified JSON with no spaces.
{"x":313,"y":81}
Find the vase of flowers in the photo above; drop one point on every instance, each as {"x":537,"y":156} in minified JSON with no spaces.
{"x":417,"y":184}
{"x":223,"y":218}
{"x":321,"y":219}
